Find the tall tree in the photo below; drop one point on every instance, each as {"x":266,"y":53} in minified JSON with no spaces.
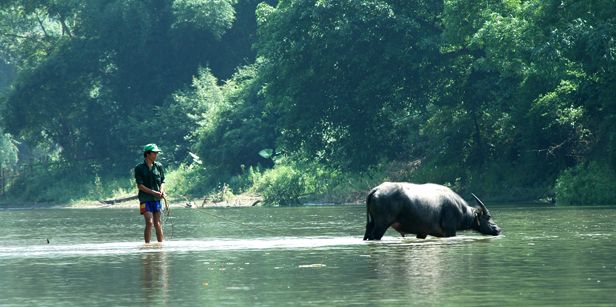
{"x":346,"y":76}
{"x":94,"y":89}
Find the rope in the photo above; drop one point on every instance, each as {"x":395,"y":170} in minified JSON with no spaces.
{"x":234,"y":222}
{"x":167,"y":216}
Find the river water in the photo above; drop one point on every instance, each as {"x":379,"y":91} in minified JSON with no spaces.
{"x":310,"y":255}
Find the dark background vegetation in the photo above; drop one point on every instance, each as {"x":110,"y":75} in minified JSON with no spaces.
{"x":309,"y":100}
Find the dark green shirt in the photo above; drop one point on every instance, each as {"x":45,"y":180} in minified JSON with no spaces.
{"x":151,"y":178}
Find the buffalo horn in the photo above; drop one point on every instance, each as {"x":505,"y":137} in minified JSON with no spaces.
{"x":483,"y":207}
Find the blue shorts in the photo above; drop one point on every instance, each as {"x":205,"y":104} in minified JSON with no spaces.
{"x":150,"y":206}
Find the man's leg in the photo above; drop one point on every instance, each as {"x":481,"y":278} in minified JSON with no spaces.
{"x":147,"y":232}
{"x":159,"y":227}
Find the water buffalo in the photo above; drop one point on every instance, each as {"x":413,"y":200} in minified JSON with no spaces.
{"x":423,"y":209}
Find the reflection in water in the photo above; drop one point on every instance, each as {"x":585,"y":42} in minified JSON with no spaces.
{"x":120,"y":248}
{"x":155,"y":277}
{"x":547,"y":257}
{"x":414,"y":265}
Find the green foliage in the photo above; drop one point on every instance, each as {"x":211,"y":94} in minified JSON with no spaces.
{"x":497,"y":97}
{"x":244,"y":181}
{"x":210,"y":15}
{"x":186,"y":114}
{"x":188,"y":179}
{"x":68,"y":123}
{"x":592,"y":183}
{"x":8,"y":151}
{"x":281,"y":186}
{"x":222,"y":193}
{"x":7,"y":74}
{"x":234,"y":130}
{"x":290,"y":183}
{"x":347,"y":77}
{"x":102,"y":74}
{"x":563,"y":121}
{"x":29,"y":31}
{"x":59,"y":183}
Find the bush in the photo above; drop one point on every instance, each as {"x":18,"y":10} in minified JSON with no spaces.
{"x":281,"y":186}
{"x":66,"y":183}
{"x":591,"y":183}
{"x":506,"y":182}
{"x":309,"y":181}
{"x":187,"y":180}
{"x":243,"y":182}
{"x":222,"y":193}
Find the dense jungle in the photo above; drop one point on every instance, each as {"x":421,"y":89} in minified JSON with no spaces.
{"x":308,"y":101}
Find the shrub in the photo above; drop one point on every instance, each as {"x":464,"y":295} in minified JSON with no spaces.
{"x":281,"y":186}
{"x":186,"y":180}
{"x":67,"y":183}
{"x":591,"y":183}
{"x":244,"y":181}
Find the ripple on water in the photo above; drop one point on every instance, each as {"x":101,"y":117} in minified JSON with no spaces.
{"x":118,"y":248}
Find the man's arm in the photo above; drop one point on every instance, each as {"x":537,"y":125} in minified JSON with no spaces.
{"x":145,"y":189}
{"x":162,"y":179}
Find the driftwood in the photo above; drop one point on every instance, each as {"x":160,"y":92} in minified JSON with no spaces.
{"x":118,"y":200}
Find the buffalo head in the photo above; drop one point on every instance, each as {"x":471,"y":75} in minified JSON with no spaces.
{"x":484,"y":223}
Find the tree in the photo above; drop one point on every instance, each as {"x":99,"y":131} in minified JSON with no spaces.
{"x":95,"y":86}
{"x":343,"y":75}
{"x":7,"y":74}
{"x":235,"y":129}
{"x":8,"y":152}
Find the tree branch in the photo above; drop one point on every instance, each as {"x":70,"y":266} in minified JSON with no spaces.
{"x":66,"y":29}
{"x":40,"y":22}
{"x":15,"y":35}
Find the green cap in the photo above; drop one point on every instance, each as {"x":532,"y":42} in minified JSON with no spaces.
{"x":151,"y":147}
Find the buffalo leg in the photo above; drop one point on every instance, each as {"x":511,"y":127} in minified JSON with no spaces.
{"x":377,"y":232}
{"x":369,"y":230}
{"x":450,"y":233}
{"x":448,"y":227}
{"x":396,"y":226}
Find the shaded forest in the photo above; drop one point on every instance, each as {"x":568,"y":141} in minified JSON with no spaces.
{"x":319,"y":99}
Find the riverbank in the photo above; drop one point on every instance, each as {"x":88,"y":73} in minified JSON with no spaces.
{"x":243,"y":200}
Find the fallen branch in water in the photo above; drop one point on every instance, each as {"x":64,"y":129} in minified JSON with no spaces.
{"x":118,"y":200}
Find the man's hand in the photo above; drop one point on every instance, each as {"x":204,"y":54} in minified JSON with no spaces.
{"x":160,"y":195}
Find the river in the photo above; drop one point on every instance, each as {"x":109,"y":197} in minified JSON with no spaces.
{"x":312,"y":255}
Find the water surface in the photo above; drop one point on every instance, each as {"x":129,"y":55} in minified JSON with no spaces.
{"x":303,"y":256}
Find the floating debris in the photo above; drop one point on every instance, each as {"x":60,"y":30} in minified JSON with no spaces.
{"x":315,"y":265}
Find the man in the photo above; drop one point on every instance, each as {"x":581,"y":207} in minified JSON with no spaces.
{"x":150,"y":178}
